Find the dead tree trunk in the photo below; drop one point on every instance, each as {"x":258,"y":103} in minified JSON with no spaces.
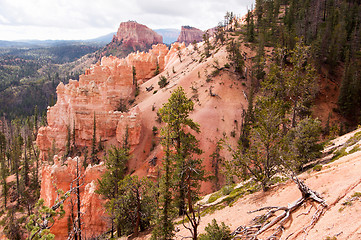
{"x":269,"y":219}
{"x":47,"y":221}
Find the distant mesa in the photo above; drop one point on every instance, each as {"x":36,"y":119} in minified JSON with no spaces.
{"x":190,"y":34}
{"x":136,"y":34}
{"x":130,"y":37}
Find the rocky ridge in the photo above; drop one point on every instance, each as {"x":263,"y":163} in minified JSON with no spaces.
{"x":337,"y":180}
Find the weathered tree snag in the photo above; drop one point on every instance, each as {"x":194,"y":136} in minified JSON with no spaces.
{"x":269,"y":219}
{"x":45,"y":222}
{"x":194,"y":218}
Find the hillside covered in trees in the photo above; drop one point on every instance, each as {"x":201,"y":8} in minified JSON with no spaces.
{"x":29,"y":76}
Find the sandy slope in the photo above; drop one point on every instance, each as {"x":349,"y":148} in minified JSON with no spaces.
{"x":217,"y":116}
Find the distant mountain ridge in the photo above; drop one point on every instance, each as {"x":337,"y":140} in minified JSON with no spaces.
{"x":101,"y":41}
{"x":33,"y":43}
{"x":170,"y":35}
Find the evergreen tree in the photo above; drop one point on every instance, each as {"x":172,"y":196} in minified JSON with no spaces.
{"x":4,"y":169}
{"x":134,"y":207}
{"x":175,"y":114}
{"x":180,"y":147}
{"x":235,"y":56}
{"x":207,"y":45}
{"x":296,"y":85}
{"x":164,"y":226}
{"x":108,"y":186}
{"x":302,"y":143}
{"x":261,"y":158}
{"x":250,"y":27}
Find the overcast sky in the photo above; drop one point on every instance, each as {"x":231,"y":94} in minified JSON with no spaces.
{"x":85,"y":19}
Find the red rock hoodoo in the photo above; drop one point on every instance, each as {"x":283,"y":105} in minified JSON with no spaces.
{"x":98,"y":96}
{"x":190,"y":34}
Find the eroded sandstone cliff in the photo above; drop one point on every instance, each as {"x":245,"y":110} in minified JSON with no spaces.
{"x":100,"y":97}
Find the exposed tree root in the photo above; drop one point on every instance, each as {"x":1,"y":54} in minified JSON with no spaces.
{"x":269,"y":219}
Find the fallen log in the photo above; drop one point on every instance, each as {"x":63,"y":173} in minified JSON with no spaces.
{"x":264,"y":222}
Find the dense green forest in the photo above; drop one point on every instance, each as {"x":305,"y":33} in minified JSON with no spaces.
{"x":332,"y":28}
{"x":29,"y":77}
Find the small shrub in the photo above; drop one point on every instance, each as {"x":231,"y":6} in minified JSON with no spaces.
{"x":227,"y":189}
{"x":155,"y":130}
{"x":159,"y":118}
{"x":233,"y":133}
{"x":226,"y":65}
{"x":354,"y":139}
{"x":122,"y":107}
{"x":154,"y":144}
{"x":162,"y":82}
{"x":155,"y":91}
{"x":157,"y":70}
{"x":212,"y":209}
{"x":317,"y":168}
{"x":339,"y":153}
{"x":215,"y":72}
{"x":214,"y":197}
{"x":356,"y":195}
{"x":216,"y":232}
{"x":355,"y":149}
{"x":136,"y":91}
{"x":331,"y":238}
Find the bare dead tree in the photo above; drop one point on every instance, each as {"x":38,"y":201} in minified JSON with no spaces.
{"x":194,"y":218}
{"x":269,"y":219}
{"x":47,"y":221}
{"x":76,"y":232}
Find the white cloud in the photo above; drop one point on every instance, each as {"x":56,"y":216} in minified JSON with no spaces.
{"x":74,"y":19}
